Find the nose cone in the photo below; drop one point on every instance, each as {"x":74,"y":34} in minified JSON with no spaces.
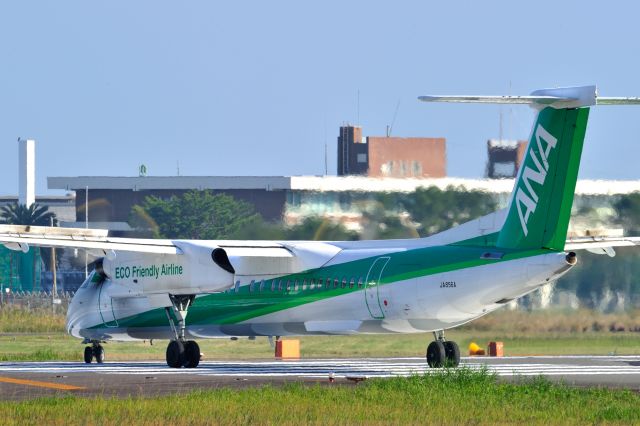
{"x":82,"y":312}
{"x":73,"y":316}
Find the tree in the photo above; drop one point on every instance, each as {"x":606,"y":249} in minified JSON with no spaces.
{"x":195,"y":215}
{"x":316,"y":228}
{"x":628,"y":211}
{"x":439,"y":210}
{"x":35,"y":215}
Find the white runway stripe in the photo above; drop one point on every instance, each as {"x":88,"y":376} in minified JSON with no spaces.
{"x":372,"y":367}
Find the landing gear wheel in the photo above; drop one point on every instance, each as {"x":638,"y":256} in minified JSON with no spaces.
{"x":175,"y":354}
{"x":191,"y":354}
{"x":452,"y":354}
{"x":88,"y":354}
{"x":436,"y":355}
{"x":98,"y":353}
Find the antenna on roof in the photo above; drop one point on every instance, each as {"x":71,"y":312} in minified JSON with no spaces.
{"x":395,"y":114}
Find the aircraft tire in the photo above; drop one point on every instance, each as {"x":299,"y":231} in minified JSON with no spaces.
{"x":452,"y":354}
{"x":436,"y":355}
{"x":98,"y":353}
{"x":88,"y":354}
{"x":175,"y":354}
{"x":191,"y":354}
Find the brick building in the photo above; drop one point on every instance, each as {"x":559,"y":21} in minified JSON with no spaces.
{"x":381,"y":156}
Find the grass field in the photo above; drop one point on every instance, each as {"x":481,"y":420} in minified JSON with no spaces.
{"x":39,"y":335}
{"x":450,"y":397}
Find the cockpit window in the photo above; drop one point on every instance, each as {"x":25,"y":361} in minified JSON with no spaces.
{"x":93,"y":278}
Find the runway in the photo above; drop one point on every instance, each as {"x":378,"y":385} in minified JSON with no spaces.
{"x":22,"y":380}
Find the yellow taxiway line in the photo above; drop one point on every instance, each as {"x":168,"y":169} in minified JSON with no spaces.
{"x":49,"y":385}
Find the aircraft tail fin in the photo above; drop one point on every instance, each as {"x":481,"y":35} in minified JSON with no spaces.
{"x":542,"y":197}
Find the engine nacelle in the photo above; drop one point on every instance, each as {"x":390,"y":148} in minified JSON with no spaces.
{"x":200,"y":269}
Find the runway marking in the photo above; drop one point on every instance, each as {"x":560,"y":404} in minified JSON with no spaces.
{"x":50,"y":385}
{"x":370,"y":367}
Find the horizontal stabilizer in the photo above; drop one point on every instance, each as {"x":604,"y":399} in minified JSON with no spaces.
{"x":559,"y":98}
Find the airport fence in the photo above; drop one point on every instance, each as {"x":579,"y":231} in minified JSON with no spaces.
{"x":35,"y":299}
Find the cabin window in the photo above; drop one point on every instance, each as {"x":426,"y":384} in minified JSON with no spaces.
{"x":261,"y":286}
{"x":295,"y":285}
{"x":304,"y":284}
{"x":251,"y":286}
{"x":280,"y":285}
{"x":328,"y":284}
{"x":319,"y":284}
{"x":344,"y":282}
{"x":288,"y":287}
{"x":352,"y":282}
{"x":273,"y":285}
{"x":336,"y":283}
{"x":237,"y":288}
{"x":360,"y":282}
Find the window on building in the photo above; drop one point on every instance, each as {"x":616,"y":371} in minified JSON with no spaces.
{"x":416,"y":167}
{"x":362,"y":158}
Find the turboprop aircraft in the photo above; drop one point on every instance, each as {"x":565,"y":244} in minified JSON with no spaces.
{"x":143,"y":289}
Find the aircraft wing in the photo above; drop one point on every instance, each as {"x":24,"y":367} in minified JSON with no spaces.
{"x":601,"y":245}
{"x":20,"y":237}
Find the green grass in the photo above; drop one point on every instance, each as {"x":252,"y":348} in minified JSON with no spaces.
{"x":449,"y":397}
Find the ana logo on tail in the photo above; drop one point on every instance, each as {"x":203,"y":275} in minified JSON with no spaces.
{"x":529,"y":199}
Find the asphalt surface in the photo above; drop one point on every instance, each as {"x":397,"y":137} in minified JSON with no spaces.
{"x":26,"y":380}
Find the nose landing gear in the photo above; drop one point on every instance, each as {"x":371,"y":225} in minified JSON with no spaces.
{"x":181,"y":352}
{"x":442,"y":353}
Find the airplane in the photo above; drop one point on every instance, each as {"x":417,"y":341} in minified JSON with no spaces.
{"x":144,"y":288}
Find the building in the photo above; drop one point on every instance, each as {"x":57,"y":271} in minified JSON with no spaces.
{"x":290,"y":198}
{"x":385,"y":156}
{"x":504,"y":158}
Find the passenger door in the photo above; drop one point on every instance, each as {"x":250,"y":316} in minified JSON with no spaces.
{"x":372,"y":297}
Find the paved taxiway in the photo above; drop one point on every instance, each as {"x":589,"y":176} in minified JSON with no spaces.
{"x":23,"y":380}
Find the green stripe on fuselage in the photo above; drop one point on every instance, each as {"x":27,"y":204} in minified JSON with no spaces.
{"x":233,"y":307}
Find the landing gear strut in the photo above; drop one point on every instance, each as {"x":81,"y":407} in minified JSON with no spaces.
{"x":94,"y":351}
{"x":442,"y":353}
{"x":181,"y":352}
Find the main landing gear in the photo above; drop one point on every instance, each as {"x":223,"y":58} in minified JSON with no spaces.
{"x":94,"y":351}
{"x":442,"y":353}
{"x":181,"y":352}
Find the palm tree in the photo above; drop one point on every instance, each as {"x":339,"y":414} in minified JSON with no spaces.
{"x":20,"y":214}
{"x":34,"y":215}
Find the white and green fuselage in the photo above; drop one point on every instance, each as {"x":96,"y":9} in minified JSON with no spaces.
{"x":399,"y":286}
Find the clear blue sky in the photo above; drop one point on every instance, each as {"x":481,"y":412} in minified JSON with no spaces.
{"x":257,"y":88}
